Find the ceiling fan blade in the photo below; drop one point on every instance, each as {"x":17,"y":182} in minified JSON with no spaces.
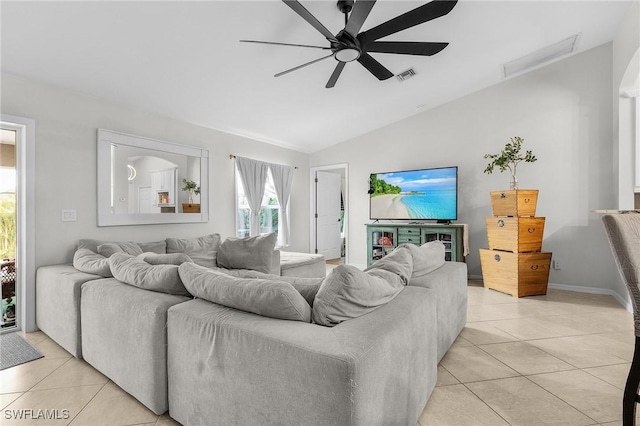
{"x":307,"y":16}
{"x":358,"y":15}
{"x":374,"y":67}
{"x":302,"y":66}
{"x":335,"y":74}
{"x":406,"y":47}
{"x":284,"y":44}
{"x":419,"y":15}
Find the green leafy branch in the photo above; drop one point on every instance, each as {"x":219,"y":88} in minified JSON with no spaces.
{"x":510,"y":157}
{"x":190,"y":186}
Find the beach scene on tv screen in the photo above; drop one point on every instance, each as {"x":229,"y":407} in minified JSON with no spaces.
{"x":418,"y":194}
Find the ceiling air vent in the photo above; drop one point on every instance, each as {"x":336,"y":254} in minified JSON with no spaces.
{"x":540,"y":57}
{"x":406,"y":75}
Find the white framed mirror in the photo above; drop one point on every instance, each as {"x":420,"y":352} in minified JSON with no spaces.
{"x":146,"y":181}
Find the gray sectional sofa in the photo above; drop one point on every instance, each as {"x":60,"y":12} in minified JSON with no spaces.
{"x":210,"y":364}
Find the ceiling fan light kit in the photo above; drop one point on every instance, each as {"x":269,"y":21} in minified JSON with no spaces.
{"x":351,"y":45}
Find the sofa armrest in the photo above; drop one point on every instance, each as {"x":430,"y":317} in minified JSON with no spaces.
{"x":58,"y":290}
{"x":231,"y":367}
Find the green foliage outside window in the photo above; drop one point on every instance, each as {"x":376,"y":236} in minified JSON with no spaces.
{"x":7,"y":226}
{"x":268,"y":219}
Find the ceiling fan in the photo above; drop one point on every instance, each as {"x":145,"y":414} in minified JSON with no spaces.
{"x":349,"y":45}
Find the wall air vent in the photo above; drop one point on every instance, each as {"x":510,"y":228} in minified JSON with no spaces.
{"x":541,"y":56}
{"x":406,"y":75}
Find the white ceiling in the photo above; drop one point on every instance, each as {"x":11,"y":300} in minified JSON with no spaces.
{"x":184,"y":59}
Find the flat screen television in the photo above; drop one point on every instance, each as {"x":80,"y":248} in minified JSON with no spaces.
{"x":424,"y":194}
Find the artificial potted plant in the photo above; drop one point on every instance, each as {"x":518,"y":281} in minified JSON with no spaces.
{"x":515,"y":202}
{"x":509,"y":158}
{"x":192,"y":188}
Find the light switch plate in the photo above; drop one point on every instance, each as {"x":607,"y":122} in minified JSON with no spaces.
{"x":69,"y":216}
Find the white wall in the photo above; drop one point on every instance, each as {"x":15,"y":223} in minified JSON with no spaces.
{"x":66,"y":132}
{"x":564,"y":113}
{"x":625,"y":45}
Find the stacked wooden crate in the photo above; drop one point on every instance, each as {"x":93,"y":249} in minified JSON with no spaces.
{"x":514,"y":263}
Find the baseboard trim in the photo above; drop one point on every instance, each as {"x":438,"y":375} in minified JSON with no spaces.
{"x":582,"y":289}
{"x":595,"y":290}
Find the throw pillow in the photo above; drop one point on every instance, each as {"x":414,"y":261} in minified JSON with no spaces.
{"x":138,"y":273}
{"x":399,"y":262}
{"x":269,"y":298}
{"x":107,"y":249}
{"x":85,"y":260}
{"x":202,"y":250}
{"x":348,"y":292}
{"x":248,"y":253}
{"x":165,"y":259}
{"x":426,"y":258}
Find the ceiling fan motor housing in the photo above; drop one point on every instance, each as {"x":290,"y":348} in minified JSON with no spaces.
{"x":348,"y":47}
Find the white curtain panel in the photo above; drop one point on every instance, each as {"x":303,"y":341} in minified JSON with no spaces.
{"x":282,"y":179}
{"x":254,"y":177}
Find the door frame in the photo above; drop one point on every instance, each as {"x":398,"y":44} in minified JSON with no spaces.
{"x":312,"y":204}
{"x":25,"y":257}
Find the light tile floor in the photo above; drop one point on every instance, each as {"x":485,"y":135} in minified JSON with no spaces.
{"x":559,"y":359}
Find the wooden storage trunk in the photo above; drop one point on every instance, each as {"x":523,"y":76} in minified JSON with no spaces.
{"x":190,"y":208}
{"x":517,"y":274}
{"x":516,"y":202}
{"x":516,"y":234}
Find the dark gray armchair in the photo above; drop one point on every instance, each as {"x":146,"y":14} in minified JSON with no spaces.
{"x":623,"y":231}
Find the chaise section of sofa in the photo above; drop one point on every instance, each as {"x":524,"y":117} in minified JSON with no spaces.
{"x":228,"y":367}
{"x":58,"y":304}
{"x":304,"y":265}
{"x":124,"y":337}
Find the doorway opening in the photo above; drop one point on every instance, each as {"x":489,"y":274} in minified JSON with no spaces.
{"x":329,"y":218}
{"x":8,"y":227}
{"x":19,"y":278}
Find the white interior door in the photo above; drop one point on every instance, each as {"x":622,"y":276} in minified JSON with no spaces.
{"x":328,"y":239}
{"x":145,"y":200}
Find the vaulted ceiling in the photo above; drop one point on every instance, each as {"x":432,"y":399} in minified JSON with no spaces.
{"x":184,"y":59}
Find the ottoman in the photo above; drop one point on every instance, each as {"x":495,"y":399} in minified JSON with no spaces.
{"x":304,"y":265}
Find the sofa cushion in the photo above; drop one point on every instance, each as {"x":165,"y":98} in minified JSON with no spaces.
{"x":202,"y":250}
{"x":85,"y":260}
{"x":426,"y":258}
{"x":165,"y":259}
{"x":307,"y":287}
{"x":269,"y":298}
{"x":107,"y":249}
{"x":91,"y":244}
{"x":136,"y":272}
{"x":348,"y":292}
{"x":399,"y":262}
{"x":248,"y":253}
{"x":159,"y":247}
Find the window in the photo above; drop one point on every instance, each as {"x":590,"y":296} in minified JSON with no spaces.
{"x":268,"y":213}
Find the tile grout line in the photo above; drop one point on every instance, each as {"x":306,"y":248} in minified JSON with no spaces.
{"x":87,"y":403}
